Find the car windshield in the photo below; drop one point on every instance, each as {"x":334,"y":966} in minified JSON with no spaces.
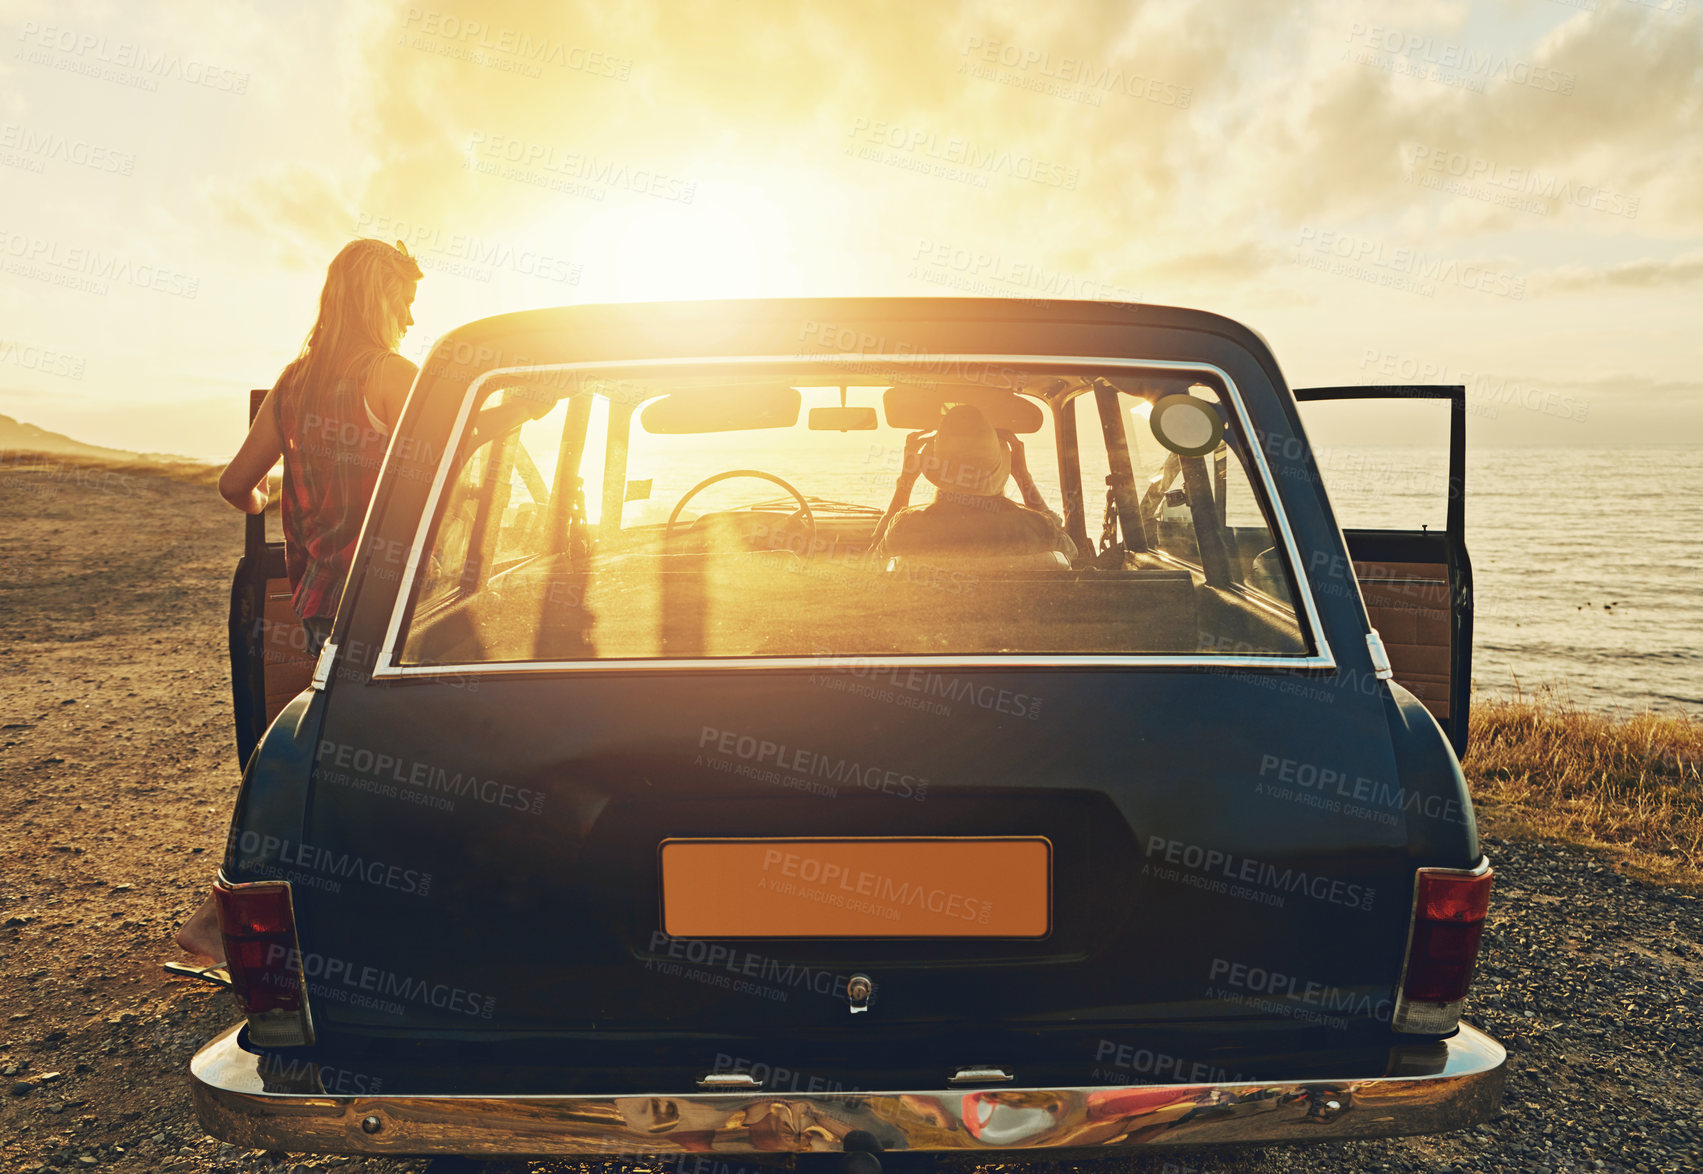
{"x":768,"y":510}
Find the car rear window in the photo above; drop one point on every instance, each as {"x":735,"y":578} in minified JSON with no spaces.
{"x":760,"y":511}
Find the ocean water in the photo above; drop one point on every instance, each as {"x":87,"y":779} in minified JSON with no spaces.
{"x":1587,"y":563}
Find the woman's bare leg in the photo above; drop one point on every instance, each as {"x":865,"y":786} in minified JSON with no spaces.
{"x":200,"y":934}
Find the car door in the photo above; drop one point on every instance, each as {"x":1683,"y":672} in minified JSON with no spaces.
{"x":269,"y":657}
{"x":1417,"y":583}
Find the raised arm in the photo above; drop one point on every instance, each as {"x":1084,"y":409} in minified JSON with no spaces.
{"x":1020,"y":472}
{"x":243,"y":483}
{"x":909,"y":470}
{"x":496,"y":420}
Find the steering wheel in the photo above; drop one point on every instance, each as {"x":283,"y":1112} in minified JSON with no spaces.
{"x":803,"y":505}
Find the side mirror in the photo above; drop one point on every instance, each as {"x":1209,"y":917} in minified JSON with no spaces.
{"x":1187,"y":426}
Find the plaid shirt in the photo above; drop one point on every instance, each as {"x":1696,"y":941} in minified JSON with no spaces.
{"x":332,"y":453}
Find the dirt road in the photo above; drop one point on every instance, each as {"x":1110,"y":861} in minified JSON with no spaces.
{"x":118,"y":768}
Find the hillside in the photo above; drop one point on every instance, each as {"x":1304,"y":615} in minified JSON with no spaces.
{"x":17,"y":436}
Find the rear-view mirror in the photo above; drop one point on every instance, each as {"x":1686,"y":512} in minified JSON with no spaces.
{"x":844,"y":419}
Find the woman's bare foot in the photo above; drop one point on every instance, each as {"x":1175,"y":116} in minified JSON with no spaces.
{"x":200,"y":934}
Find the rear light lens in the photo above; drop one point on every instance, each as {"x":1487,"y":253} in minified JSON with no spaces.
{"x":1442,"y":947}
{"x":258,"y":923}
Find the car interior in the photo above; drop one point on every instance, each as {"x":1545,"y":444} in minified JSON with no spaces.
{"x":666,"y":516}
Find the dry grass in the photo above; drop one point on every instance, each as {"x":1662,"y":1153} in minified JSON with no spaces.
{"x":59,"y":465}
{"x":190,"y":472}
{"x":1545,"y":769}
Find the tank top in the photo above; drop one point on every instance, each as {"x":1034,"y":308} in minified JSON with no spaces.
{"x":333,"y":447}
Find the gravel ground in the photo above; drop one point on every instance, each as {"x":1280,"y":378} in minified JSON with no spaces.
{"x":118,"y":774}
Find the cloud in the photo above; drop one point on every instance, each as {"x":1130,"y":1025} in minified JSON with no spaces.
{"x":1645,"y":273}
{"x":1198,"y":137}
{"x":1234,"y":263}
{"x":301,"y":211}
{"x":1172,"y":121}
{"x":1635,"y":385}
{"x":726,"y":91}
{"x":1610,"y":97}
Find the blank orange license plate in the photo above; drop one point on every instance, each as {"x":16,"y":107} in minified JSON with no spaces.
{"x":950,"y":887}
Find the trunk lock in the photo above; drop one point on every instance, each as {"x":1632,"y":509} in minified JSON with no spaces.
{"x":859,"y":989}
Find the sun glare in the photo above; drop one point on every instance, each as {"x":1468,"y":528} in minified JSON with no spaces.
{"x":684,"y":252}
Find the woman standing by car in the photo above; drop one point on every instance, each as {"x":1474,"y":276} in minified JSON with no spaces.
{"x":329,"y":417}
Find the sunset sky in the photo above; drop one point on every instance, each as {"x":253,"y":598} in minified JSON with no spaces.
{"x":1507,"y":195}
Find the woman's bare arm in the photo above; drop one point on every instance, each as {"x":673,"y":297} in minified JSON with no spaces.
{"x":1020,"y":472}
{"x":243,"y":483}
{"x":910,"y":468}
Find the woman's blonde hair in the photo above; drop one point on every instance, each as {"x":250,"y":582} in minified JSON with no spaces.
{"x":360,"y":310}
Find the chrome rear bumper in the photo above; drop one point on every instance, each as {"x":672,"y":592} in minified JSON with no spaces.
{"x":1426,"y":1088}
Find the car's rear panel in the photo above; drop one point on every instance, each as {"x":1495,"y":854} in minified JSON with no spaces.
{"x":1191,"y":887}
{"x":476,"y":862}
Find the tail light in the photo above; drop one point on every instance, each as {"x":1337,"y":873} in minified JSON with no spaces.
{"x":258,"y":923}
{"x":1442,"y":947}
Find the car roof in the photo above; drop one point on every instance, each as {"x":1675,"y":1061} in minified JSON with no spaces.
{"x":799,"y":325}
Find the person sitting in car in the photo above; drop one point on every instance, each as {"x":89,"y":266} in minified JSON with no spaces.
{"x":968,"y":462}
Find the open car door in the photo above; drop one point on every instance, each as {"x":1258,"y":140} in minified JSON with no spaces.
{"x":269,"y":657}
{"x":1417,"y":584}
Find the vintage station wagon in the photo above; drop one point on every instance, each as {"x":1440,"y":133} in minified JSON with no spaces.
{"x":686,"y":774}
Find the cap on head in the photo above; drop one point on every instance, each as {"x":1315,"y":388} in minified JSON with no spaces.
{"x":965,"y":455}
